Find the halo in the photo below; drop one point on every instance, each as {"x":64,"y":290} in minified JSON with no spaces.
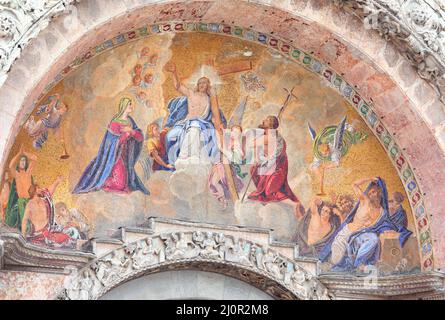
{"x":205,"y":71}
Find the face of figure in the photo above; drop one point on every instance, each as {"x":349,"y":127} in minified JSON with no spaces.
{"x":35,"y":191}
{"x":203,"y":85}
{"x":235,"y":133}
{"x":324,"y":149}
{"x":154,"y":59}
{"x":130,"y":107}
{"x":374,"y":196}
{"x":142,"y":95}
{"x":63,"y":216}
{"x":145,"y":51}
{"x":138,"y":69}
{"x":22,"y":163}
{"x":63,"y":108}
{"x":39,"y":191}
{"x":345,"y":204}
{"x":325,"y":213}
{"x":148,"y":78}
{"x":270,"y":122}
{"x":137,"y":80}
{"x":155,"y":131}
{"x":265,"y":124}
{"x":392,"y":205}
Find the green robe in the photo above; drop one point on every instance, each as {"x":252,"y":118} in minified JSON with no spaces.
{"x":15,"y":209}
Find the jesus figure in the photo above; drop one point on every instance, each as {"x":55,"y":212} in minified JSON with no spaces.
{"x":194,"y":120}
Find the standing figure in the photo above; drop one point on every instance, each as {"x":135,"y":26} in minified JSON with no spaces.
{"x":113,"y":168}
{"x":20,"y":167}
{"x":156,"y":147}
{"x":38,"y":130}
{"x":270,"y":174}
{"x":41,"y":217}
{"x":193,"y":119}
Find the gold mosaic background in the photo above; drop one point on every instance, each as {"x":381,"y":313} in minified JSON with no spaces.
{"x":92,"y":93}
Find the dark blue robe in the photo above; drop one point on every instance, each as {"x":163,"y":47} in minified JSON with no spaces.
{"x":399,"y":217}
{"x":178,"y":108}
{"x":364,"y":245}
{"x":100,"y":168}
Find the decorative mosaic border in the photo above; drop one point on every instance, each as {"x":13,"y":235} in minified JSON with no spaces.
{"x":310,"y":63}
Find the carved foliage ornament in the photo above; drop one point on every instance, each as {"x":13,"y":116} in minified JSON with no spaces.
{"x":416,"y":27}
{"x":22,"y":20}
{"x":152,"y":253}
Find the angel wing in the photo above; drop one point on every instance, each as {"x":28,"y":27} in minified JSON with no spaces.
{"x":311,"y":131}
{"x":339,"y":133}
{"x":146,"y":163}
{"x":237,"y":116}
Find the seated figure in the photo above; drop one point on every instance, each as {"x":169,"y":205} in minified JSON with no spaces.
{"x":356,"y":243}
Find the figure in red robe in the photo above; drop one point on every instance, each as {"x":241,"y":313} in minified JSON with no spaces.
{"x":270,"y":173}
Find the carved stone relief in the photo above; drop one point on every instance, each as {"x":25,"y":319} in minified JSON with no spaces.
{"x":416,"y":27}
{"x":133,"y":259}
{"x":20,"y":21}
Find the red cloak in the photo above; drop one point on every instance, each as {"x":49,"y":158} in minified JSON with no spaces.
{"x":272,"y":187}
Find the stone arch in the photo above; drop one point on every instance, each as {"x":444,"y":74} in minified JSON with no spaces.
{"x":404,"y":103}
{"x":266,"y":269}
{"x":186,"y":285}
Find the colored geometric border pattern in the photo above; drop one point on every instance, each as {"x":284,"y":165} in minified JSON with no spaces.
{"x":311,"y":64}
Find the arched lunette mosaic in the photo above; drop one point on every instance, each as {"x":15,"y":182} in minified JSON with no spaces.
{"x":310,"y":63}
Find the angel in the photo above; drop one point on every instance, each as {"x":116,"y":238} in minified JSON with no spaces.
{"x":329,"y":146}
{"x":156,"y":147}
{"x":54,"y":112}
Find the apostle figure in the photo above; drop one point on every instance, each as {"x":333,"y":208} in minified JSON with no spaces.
{"x":113,"y":168}
{"x":315,"y":227}
{"x":270,"y":173}
{"x":39,"y":214}
{"x":193,"y":119}
{"x":356,"y":243}
{"x":398,"y":213}
{"x":20,"y":167}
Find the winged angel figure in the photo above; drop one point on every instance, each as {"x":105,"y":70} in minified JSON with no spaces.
{"x":331,"y":145}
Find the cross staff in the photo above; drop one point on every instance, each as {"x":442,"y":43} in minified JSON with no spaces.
{"x":227,"y":69}
{"x":290,"y":95}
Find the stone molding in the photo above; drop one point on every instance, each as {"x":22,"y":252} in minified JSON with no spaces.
{"x":208,"y":251}
{"x":20,"y":255}
{"x":409,"y":286}
{"x":416,"y":27}
{"x":244,"y":253}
